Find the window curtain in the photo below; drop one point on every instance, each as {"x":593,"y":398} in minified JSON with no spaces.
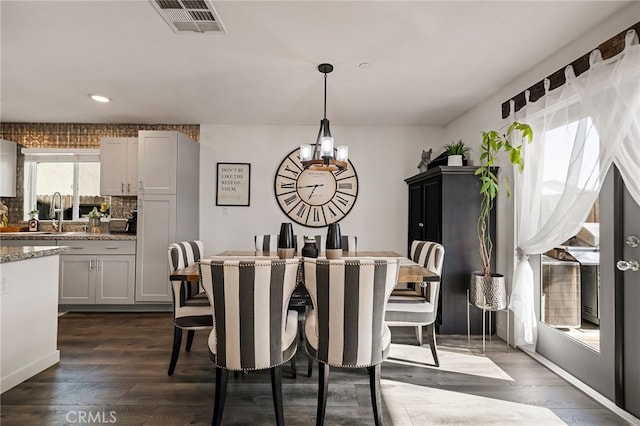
{"x":596,"y":112}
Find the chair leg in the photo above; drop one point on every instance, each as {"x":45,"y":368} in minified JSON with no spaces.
{"x":276,"y":390}
{"x":220,"y":395}
{"x":419,"y":334}
{"x":190,"y":334}
{"x":177,"y":340}
{"x":431,"y":335}
{"x":376,"y":397}
{"x":293,"y":366}
{"x":309,"y":365}
{"x":323,"y":386}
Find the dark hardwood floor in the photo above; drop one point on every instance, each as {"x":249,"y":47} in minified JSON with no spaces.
{"x":113,"y":370}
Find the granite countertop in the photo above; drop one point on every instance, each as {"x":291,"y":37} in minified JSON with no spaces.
{"x":14,"y":254}
{"x":66,"y":236}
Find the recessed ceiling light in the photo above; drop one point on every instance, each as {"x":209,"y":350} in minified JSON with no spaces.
{"x":100,"y":98}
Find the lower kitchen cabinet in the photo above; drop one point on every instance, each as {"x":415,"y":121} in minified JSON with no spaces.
{"x":92,"y":277}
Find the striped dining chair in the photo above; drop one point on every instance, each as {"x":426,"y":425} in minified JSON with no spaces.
{"x":418,"y":306}
{"x":345,"y":327}
{"x":349,"y":243}
{"x":266,"y":243}
{"x":253,"y":327}
{"x":191,"y":310}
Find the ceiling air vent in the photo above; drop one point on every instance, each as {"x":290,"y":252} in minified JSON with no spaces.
{"x":189,"y":15}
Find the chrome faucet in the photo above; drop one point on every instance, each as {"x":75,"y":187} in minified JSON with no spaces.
{"x":53,"y":211}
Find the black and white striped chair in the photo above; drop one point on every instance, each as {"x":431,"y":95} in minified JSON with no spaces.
{"x":253,"y":328}
{"x":349,"y":243}
{"x":266,"y":243}
{"x":419,"y":306}
{"x":345,"y":327}
{"x":191,"y":310}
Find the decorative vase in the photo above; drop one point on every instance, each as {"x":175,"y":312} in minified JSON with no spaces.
{"x":310,"y":249}
{"x":488,"y":293}
{"x":286,"y":241}
{"x":334,"y":242}
{"x":94,"y":225}
{"x":33,"y":223}
{"x":454,"y":160}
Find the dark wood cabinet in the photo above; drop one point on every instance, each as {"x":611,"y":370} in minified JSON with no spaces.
{"x":444,"y":204}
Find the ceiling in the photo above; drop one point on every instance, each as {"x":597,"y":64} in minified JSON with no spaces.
{"x":430,"y":61}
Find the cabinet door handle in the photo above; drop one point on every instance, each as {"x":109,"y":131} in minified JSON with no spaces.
{"x":141,"y":186}
{"x":128,"y":188}
{"x":421,"y":225}
{"x":91,"y":264}
{"x":122,"y":187}
{"x":76,"y":248}
{"x":97,"y":265}
{"x":112,"y":247}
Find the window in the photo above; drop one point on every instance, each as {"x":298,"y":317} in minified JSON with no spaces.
{"x":74,"y":173}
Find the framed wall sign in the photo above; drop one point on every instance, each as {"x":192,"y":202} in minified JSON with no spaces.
{"x":233,"y":184}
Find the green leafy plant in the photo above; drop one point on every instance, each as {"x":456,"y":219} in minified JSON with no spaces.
{"x":94,"y":213}
{"x":494,"y":142}
{"x":456,"y":148}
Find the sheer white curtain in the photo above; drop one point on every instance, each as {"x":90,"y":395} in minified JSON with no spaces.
{"x":579,"y":130}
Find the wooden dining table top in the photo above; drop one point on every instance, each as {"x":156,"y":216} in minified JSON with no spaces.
{"x":409,"y":271}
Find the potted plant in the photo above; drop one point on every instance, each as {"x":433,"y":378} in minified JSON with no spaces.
{"x":456,"y":152}
{"x":487,"y":288}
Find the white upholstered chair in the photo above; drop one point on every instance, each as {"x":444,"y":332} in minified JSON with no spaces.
{"x":191,"y":310}
{"x":345,"y":327}
{"x":253,"y":327}
{"x":418,"y":306}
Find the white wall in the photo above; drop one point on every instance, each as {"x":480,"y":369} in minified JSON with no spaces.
{"x":487,"y":115}
{"x":383,"y":156}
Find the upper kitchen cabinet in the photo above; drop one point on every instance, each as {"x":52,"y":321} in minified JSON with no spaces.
{"x":119,"y":166}
{"x":8,"y":157}
{"x":160,"y":153}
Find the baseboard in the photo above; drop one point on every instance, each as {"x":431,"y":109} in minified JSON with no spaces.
{"x":579,"y":384}
{"x":28,"y":371}
{"x":152,"y":307}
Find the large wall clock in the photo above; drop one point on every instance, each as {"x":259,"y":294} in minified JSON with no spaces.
{"x":314,"y":198}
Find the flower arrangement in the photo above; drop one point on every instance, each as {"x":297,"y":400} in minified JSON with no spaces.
{"x":94,"y":214}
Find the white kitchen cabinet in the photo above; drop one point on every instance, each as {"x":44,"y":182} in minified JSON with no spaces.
{"x":8,"y":158}
{"x":168,"y":209}
{"x":119,"y":166}
{"x":97,"y":272}
{"x":156,"y":230}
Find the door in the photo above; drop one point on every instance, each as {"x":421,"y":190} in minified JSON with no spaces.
{"x":416,"y":220}
{"x":132,"y":167}
{"x":115,"y":279}
{"x":113,"y":166}
{"x":77,"y":280}
{"x":628,"y":297}
{"x":156,"y":230}
{"x":157,"y":162}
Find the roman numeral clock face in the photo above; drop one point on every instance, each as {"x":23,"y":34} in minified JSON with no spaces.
{"x":314,"y":198}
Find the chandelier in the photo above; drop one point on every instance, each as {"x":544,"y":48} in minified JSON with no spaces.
{"x":322,"y":156}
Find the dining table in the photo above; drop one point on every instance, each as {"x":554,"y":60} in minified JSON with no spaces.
{"x":409,"y":271}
